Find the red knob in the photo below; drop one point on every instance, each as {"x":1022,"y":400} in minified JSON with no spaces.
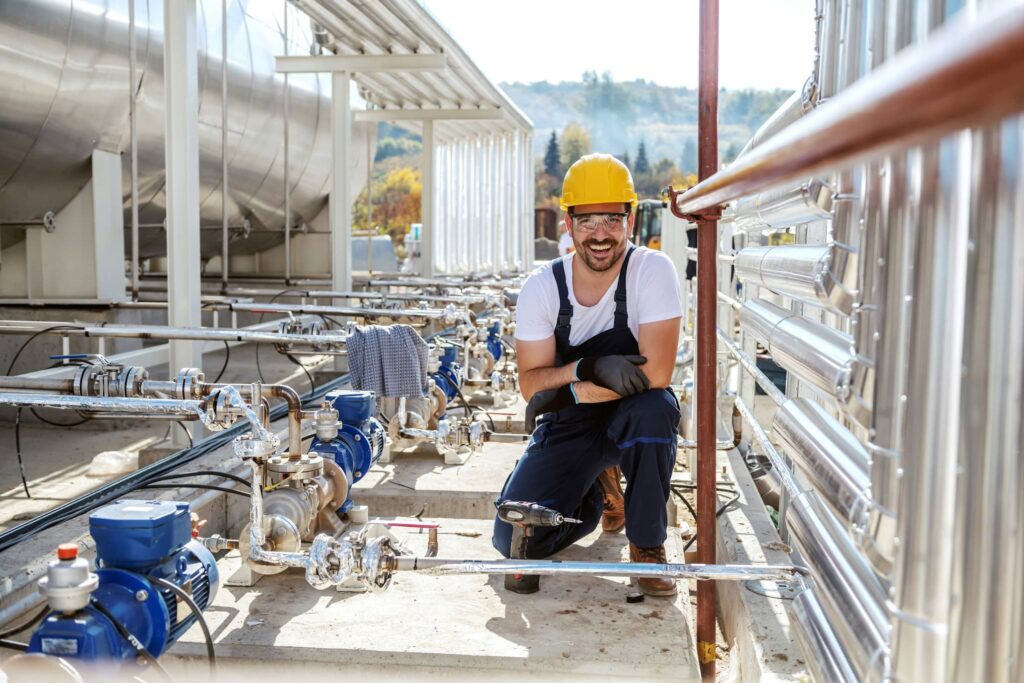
{"x":67,"y":551}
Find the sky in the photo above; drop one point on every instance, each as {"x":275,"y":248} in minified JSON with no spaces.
{"x":764,"y":44}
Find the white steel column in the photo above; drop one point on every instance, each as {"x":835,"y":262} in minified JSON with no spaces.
{"x":528,"y":203}
{"x":341,"y":205}
{"x":427,"y":202}
{"x":181,"y":152}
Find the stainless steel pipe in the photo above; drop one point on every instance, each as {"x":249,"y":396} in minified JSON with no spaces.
{"x":165,"y":332}
{"x":129,"y":406}
{"x":448,"y":315}
{"x":808,"y":201}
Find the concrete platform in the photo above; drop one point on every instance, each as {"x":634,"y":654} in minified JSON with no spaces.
{"x":468,"y":626}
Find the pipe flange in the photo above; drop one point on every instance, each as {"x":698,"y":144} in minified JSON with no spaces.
{"x":280,"y":534}
{"x":248,"y":447}
{"x":128,"y":383}
{"x":307,"y":466}
{"x":188,"y":384}
{"x":221,"y":411}
{"x":375,"y":560}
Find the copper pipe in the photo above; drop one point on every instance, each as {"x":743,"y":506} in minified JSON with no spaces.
{"x":967,"y":73}
{"x":707,"y":325}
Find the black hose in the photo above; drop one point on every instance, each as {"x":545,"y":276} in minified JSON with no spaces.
{"x":187,"y":433}
{"x":227,"y":359}
{"x":469,"y":409}
{"x":205,"y":487}
{"x":17,"y":448}
{"x":28,"y":624}
{"x":187,"y":599}
{"x":201,"y":473}
{"x":13,"y":645}
{"x":312,"y":384}
{"x":140,"y":649}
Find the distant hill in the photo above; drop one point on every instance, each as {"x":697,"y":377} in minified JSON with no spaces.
{"x":619,"y":115}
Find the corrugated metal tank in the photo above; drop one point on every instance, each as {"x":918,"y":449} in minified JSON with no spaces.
{"x":64,"y":65}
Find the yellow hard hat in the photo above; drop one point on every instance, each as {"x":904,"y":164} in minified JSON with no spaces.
{"x":597,"y":179}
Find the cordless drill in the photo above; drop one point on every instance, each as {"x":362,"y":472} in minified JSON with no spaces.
{"x":524,"y":517}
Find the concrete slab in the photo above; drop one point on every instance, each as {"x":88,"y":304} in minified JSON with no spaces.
{"x":418,"y":482}
{"x":575,"y":626}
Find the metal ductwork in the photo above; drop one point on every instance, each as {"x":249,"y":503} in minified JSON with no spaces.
{"x":829,"y":456}
{"x":818,"y":640}
{"x":71,"y":63}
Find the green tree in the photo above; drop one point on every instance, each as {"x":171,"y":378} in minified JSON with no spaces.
{"x":575,"y":143}
{"x":642,"y":165}
{"x":626,"y":161}
{"x":553,"y":158}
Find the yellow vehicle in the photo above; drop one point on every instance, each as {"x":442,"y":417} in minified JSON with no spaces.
{"x":647,"y":231}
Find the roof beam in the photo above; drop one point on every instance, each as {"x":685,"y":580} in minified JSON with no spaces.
{"x":428,"y":115}
{"x":361,"y":63}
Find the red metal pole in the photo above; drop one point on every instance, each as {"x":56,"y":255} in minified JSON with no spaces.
{"x":707,"y":338}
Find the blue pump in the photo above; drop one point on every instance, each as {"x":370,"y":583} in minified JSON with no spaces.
{"x":494,"y":340}
{"x":136,"y":540}
{"x":448,"y":377}
{"x":361,"y":438}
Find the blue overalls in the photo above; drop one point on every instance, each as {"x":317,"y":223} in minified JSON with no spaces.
{"x":571,"y":447}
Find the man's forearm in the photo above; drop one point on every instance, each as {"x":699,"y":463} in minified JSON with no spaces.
{"x":540,"y":379}
{"x":588,"y":392}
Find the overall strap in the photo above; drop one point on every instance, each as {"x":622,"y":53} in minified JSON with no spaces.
{"x":564,"y":324}
{"x":621,"y":317}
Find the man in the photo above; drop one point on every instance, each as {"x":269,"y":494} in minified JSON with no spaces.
{"x":596,"y":339}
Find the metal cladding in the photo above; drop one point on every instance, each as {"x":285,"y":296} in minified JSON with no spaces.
{"x":816,"y":353}
{"x":808,"y":201}
{"x":847,"y":588}
{"x":818,"y":640}
{"x":803,"y":272}
{"x":829,"y":455}
{"x":73,"y":64}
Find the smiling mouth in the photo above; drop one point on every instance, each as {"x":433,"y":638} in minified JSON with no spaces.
{"x":600,"y":250}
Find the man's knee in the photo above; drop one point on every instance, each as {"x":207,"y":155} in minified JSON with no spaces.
{"x":501,"y":539}
{"x":655,"y":411}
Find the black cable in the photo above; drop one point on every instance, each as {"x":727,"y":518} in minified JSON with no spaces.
{"x":17,"y":355}
{"x":205,"y":487}
{"x":13,"y":645}
{"x":140,"y":649}
{"x":201,"y":473}
{"x":312,"y":384}
{"x":28,"y":624}
{"x":17,"y":449}
{"x":227,"y":359}
{"x":187,"y":433}
{"x":469,"y":409}
{"x":718,"y":513}
{"x":187,"y":599}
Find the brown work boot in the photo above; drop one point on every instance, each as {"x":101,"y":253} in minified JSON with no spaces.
{"x":652,"y":586}
{"x":614,"y":516}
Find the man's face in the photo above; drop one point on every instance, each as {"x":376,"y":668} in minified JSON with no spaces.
{"x":600,"y":233}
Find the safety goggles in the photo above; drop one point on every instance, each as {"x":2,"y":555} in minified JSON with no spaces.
{"x":590,"y":222}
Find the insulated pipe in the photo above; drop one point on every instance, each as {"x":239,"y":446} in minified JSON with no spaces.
{"x":816,"y":353}
{"x":60,"y":386}
{"x":799,"y":271}
{"x":970,"y":71}
{"x":127,"y":406}
{"x":822,"y":650}
{"x":829,"y":456}
{"x":811,"y":200}
{"x":448,"y":315}
{"x":852,"y":596}
{"x":707,"y":326}
{"x":750,"y":365}
{"x":164,"y":332}
{"x":792,"y":110}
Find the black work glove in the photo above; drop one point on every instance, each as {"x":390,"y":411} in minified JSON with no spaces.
{"x":618,"y":373}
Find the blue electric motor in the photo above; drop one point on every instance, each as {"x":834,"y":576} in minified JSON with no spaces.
{"x":136,"y":541}
{"x":494,"y":340}
{"x":361,"y":438}
{"x":448,"y":377}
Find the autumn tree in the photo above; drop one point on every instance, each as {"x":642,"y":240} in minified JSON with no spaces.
{"x":395,"y":201}
{"x":575,"y":143}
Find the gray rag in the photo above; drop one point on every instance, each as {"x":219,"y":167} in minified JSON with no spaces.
{"x":388,"y":360}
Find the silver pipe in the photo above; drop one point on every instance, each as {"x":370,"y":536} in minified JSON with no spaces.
{"x":922,"y":581}
{"x":287,"y":185}
{"x":133,"y":134}
{"x":60,"y":386}
{"x":989,"y":578}
{"x":823,"y":652}
{"x":165,"y":332}
{"x":799,"y":271}
{"x":809,"y":201}
{"x":442,"y":566}
{"x":224,"y":144}
{"x":133,"y":406}
{"x":748,"y":364}
{"x":793,"y":109}
{"x":829,"y":456}
{"x":849,"y":591}
{"x":779,"y":466}
{"x":444,"y":315}
{"x":816,"y":353}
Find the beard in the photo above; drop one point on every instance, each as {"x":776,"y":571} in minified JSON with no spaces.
{"x":596,"y":261}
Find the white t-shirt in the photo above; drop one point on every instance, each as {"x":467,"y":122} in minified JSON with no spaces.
{"x":564,"y":243}
{"x":652,"y":294}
